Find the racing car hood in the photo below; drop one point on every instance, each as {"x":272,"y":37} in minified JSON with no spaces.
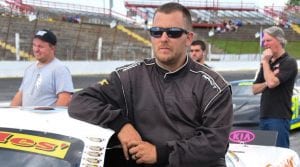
{"x":51,"y":135}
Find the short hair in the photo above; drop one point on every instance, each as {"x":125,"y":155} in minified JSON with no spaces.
{"x":277,"y":33}
{"x":201,"y":43}
{"x":172,"y":7}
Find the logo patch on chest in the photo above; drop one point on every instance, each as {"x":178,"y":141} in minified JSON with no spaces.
{"x":210,"y":80}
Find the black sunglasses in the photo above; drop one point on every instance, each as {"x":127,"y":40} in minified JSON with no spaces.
{"x":172,"y":32}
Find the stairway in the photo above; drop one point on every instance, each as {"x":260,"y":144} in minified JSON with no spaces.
{"x":134,"y":35}
{"x":296,"y":28}
{"x":13,"y":50}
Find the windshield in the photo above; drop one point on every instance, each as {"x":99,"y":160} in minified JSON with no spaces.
{"x":242,"y":89}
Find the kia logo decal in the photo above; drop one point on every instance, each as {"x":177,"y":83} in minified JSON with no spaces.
{"x":241,"y":136}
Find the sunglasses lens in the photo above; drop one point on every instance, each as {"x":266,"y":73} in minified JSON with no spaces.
{"x":174,"y":32}
{"x":156,"y":32}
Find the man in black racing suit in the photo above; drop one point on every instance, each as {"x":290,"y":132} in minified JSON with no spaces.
{"x":166,"y":111}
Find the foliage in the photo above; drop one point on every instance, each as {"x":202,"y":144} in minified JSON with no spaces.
{"x":293,"y":49}
{"x":251,"y":47}
{"x":293,"y":2}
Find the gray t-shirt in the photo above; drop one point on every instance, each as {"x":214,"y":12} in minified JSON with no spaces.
{"x":41,"y":86}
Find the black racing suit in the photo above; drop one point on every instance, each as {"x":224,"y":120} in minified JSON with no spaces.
{"x":186,"y":114}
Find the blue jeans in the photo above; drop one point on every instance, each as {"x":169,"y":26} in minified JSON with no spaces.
{"x":282,"y":126}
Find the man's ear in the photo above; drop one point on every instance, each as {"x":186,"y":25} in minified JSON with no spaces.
{"x":52,"y":46}
{"x":190,"y":38}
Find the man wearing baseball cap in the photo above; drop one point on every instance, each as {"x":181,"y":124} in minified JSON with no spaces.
{"x":47,"y":82}
{"x":275,"y":81}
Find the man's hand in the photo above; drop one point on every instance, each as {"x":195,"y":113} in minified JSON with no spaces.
{"x":126,"y":135}
{"x":267,"y":55}
{"x":142,"y":152}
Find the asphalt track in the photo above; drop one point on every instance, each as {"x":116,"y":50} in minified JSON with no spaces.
{"x":8,"y":87}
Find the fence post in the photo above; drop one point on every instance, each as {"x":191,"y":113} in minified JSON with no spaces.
{"x":99,"y":55}
{"x":17,"y":42}
{"x":7,"y":34}
{"x":77,"y":40}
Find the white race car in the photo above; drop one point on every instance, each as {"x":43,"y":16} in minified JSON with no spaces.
{"x":249,"y":148}
{"x":48,"y":137}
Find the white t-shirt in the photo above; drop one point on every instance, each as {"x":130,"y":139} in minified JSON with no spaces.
{"x":41,"y":86}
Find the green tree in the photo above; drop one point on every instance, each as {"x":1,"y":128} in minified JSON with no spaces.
{"x":293,"y":2}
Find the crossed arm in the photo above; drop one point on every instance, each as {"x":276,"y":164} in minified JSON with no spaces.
{"x":271,"y":80}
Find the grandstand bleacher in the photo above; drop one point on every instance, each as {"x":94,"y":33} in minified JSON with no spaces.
{"x":75,"y":41}
{"x":79,"y":41}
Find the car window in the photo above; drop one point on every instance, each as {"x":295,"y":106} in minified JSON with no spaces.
{"x":297,"y":83}
{"x":296,"y":91}
{"x":242,"y":89}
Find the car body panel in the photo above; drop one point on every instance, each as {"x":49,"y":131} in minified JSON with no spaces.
{"x":244,"y":155}
{"x":249,"y":148}
{"x":47,"y":137}
{"x":43,"y":136}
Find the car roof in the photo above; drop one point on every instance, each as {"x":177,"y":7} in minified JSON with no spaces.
{"x":242,"y":81}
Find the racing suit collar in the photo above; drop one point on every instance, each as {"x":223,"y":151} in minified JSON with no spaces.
{"x":166,"y":73}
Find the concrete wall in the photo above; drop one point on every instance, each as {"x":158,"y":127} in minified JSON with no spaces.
{"x":9,"y":69}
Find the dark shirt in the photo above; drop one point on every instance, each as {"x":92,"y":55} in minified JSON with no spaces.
{"x":276,"y":102}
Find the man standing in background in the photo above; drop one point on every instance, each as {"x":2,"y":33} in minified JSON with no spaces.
{"x":275,"y":81}
{"x":198,"y":51}
{"x":46,"y":82}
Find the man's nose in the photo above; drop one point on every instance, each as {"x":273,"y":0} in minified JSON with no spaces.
{"x":164,"y":36}
{"x":35,"y":49}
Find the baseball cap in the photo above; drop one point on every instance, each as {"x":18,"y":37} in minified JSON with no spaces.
{"x":46,"y":35}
